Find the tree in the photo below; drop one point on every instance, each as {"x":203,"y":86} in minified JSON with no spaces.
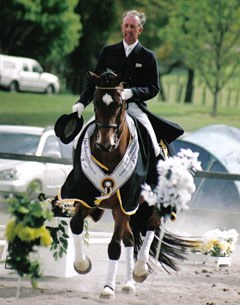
{"x":45,"y":30}
{"x":207,"y":34}
{"x":157,"y":12}
{"x":97,"y":18}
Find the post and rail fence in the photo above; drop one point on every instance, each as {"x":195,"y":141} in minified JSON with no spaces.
{"x":199,"y":174}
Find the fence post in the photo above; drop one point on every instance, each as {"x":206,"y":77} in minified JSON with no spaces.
{"x":229,"y":96}
{"x":179,"y":93}
{"x":237,"y":97}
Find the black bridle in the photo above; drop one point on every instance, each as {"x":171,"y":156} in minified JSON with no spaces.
{"x":118,"y":122}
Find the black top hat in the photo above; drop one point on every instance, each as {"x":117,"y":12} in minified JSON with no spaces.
{"x":68,"y":126}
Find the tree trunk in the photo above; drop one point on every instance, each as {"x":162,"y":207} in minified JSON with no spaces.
{"x":161,"y":91}
{"x":215,"y":102}
{"x":189,"y":89}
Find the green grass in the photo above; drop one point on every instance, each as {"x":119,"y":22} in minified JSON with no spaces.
{"x":192,"y":117}
{"x":43,"y":110}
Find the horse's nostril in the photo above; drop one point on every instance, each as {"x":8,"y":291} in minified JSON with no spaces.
{"x":97,"y":145}
{"x":106,"y":148}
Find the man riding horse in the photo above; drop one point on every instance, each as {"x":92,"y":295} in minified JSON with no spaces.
{"x":137,"y":66}
{"x":137,"y":71}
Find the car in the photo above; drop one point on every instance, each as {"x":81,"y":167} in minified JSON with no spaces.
{"x":26,"y":74}
{"x":17,"y":176}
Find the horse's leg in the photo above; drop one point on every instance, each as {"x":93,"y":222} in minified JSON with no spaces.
{"x":82,"y":263}
{"x":114,"y":253}
{"x":140,"y":272}
{"x":128,"y":240}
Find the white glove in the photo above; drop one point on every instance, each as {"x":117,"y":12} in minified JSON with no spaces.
{"x":78,"y":107}
{"x":127,"y":94}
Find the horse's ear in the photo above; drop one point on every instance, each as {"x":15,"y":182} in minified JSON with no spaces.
{"x":94,"y":77}
{"x":119,"y":79}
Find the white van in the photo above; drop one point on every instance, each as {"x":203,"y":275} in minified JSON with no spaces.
{"x":26,"y":74}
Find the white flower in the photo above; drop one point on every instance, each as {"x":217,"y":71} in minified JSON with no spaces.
{"x":148,"y":195}
{"x":176,"y":184}
{"x":219,"y":243}
{"x":190,"y":159}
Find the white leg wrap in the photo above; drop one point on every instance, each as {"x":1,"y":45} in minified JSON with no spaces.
{"x":78,"y":248}
{"x":143,"y":254}
{"x":129,"y":286}
{"x":129,"y":263}
{"x":111,"y":273}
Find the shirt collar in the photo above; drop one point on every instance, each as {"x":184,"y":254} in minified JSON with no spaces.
{"x":133,"y":45}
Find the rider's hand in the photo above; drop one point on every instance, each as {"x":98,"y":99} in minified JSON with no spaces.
{"x":127,"y":94}
{"x":78,"y":107}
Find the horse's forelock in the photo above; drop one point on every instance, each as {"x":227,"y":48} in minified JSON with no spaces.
{"x":107,"y":79}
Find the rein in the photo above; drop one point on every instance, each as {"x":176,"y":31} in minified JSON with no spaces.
{"x":118,"y":123}
{"x":113,"y":125}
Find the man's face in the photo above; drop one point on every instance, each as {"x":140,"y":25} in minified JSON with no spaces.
{"x":131,"y":28}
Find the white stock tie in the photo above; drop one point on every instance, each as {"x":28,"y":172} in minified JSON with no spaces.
{"x":128,"y":50}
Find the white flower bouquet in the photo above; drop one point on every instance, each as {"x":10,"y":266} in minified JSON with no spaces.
{"x":218,"y":243}
{"x":176,"y":184}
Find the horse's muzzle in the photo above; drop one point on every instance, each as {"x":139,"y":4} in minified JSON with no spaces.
{"x":105,"y":147}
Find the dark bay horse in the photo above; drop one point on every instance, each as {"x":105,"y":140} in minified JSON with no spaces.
{"x":112,"y":160}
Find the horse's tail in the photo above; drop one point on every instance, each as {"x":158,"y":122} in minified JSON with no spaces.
{"x":173,"y":248}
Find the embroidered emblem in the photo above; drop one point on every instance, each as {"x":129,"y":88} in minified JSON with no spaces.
{"x":108,"y":184}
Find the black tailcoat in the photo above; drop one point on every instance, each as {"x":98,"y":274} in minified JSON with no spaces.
{"x":139,"y":71}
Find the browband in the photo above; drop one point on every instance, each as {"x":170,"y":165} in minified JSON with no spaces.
{"x":109,"y":88}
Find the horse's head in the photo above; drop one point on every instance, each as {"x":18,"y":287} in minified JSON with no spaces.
{"x":109,"y":108}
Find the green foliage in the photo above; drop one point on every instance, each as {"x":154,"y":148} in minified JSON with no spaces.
{"x":45,"y":30}
{"x":60,"y":243}
{"x":206,"y":36}
{"x":24,"y":232}
{"x":97,"y":18}
{"x":156,"y":11}
{"x":64,"y":209}
{"x":18,"y":259}
{"x":157,"y":17}
{"x":32,"y":213}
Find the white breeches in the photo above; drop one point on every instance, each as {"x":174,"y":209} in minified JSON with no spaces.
{"x":142,"y":117}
